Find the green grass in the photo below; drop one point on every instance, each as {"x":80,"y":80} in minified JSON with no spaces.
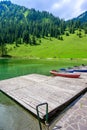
{"x":26,"y":13}
{"x":71,"y":47}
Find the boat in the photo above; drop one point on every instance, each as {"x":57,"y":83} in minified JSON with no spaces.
{"x":74,"y":69}
{"x":65,"y":74}
{"x":67,"y":70}
{"x":80,"y":70}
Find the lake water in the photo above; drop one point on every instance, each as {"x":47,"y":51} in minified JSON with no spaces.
{"x":16,"y":67}
{"x":13,"y":116}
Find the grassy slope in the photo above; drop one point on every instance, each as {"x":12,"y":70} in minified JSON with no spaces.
{"x":71,"y":47}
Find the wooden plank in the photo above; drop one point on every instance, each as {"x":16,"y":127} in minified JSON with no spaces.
{"x":69,"y":83}
{"x":30,"y":91}
{"x":36,"y":77}
{"x":84,"y":76}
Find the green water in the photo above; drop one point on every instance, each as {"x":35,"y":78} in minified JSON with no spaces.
{"x":12,"y":116}
{"x":16,"y":67}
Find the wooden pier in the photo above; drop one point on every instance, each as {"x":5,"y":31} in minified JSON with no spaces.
{"x":34,"y":89}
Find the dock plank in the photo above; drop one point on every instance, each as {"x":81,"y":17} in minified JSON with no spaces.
{"x":68,"y":83}
{"x":31,"y":90}
{"x":36,"y":77}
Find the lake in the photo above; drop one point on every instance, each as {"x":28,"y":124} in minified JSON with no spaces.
{"x":15,"y":67}
{"x":12,"y":115}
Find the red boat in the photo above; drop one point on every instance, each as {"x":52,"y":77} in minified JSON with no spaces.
{"x":69,"y":75}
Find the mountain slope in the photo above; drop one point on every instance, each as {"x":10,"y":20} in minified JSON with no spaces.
{"x":9,"y":11}
{"x":18,"y":22}
{"x":82,"y":18}
{"x":19,"y":25}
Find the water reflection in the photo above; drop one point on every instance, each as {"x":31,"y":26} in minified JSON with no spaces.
{"x":17,"y":67}
{"x":12,"y":67}
{"x":14,"y":117}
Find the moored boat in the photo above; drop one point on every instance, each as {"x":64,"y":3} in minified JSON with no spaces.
{"x":80,"y":70}
{"x":63,"y":74}
{"x":67,"y":70}
{"x":75,"y":69}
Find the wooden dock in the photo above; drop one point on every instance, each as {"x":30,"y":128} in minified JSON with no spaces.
{"x":34,"y":89}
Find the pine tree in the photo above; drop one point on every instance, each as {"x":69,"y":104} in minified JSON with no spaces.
{"x":33,"y":40}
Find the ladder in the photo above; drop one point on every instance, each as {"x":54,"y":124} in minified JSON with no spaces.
{"x":38,"y":115}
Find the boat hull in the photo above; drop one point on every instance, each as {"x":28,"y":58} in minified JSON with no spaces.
{"x":85,"y":71}
{"x":67,"y":70}
{"x":68,"y":75}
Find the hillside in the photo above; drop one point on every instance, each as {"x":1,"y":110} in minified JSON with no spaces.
{"x":71,"y":47}
{"x":18,"y":21}
{"x":20,"y":25}
{"x":16,"y":13}
{"x":82,"y":17}
{"x":30,"y":33}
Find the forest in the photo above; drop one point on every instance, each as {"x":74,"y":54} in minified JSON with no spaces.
{"x":20,"y":25}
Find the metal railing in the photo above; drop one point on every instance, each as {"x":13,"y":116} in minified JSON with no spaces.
{"x":38,"y":115}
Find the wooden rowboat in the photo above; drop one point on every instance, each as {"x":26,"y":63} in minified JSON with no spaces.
{"x":69,"y":75}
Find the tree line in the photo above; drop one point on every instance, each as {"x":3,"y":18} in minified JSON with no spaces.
{"x":21,"y":25}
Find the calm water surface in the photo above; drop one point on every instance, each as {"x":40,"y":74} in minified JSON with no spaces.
{"x":16,"y":67}
{"x":12,"y":116}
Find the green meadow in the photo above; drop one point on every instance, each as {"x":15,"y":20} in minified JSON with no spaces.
{"x":70,"y":47}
